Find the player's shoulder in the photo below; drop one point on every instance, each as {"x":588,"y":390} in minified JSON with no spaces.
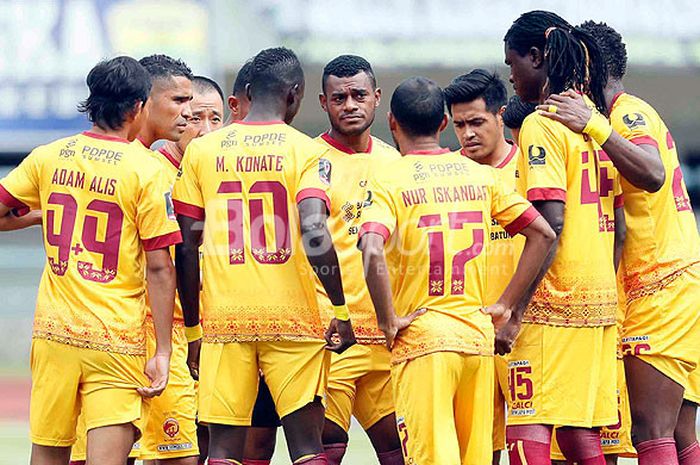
{"x":536,"y":122}
{"x":384,"y":150}
{"x":64,"y":147}
{"x":633,"y":111}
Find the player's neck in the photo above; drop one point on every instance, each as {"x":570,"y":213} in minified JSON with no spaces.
{"x":146,"y":136}
{"x":358,"y":143}
{"x":121,"y":133}
{"x":173,"y":149}
{"x":612,"y":89}
{"x":419,"y":144}
{"x":260,"y":114}
{"x":500,"y":154}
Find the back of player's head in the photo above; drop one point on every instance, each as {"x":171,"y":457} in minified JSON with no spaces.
{"x":203,"y":85}
{"x":516,"y":111}
{"x":116,"y":86}
{"x":347,"y":66}
{"x":242,"y":79}
{"x":164,"y":67}
{"x":418,"y":105}
{"x":611,"y":45}
{"x":572,"y":56}
{"x":274,"y":72}
{"x":478,"y":83}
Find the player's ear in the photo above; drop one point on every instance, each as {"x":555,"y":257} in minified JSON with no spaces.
{"x":392,"y":121}
{"x":444,"y":122}
{"x":323,"y":101}
{"x":233,"y":104}
{"x":377,"y":97}
{"x":536,"y":57}
{"x":247,"y":92}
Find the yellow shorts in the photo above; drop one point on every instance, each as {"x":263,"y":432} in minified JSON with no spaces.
{"x":615,"y":439}
{"x":692,"y":392}
{"x":171,"y":430}
{"x":78,"y":452}
{"x":500,"y":400}
{"x":563,"y":376}
{"x":68,"y":380}
{"x":359,"y":384}
{"x":663,"y":328}
{"x":295,"y":372}
{"x":442,"y":400}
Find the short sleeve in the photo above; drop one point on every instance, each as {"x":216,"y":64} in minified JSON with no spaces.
{"x":315,"y":171}
{"x":512,"y":211}
{"x":155,"y":215}
{"x":379,"y":213}
{"x":544,"y":175}
{"x":187,"y":193}
{"x":19,"y":190}
{"x":634,"y":125}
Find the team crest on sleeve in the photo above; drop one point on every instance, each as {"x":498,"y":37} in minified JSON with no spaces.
{"x":324,"y":171}
{"x":169,"y":207}
{"x":634,"y":120}
{"x":536,"y":155}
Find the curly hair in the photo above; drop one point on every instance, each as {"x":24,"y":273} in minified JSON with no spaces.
{"x":162,"y":66}
{"x":347,"y":66}
{"x":274,"y":70}
{"x":478,"y":83}
{"x":612,"y":46}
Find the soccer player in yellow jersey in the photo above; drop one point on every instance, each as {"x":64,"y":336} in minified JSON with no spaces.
{"x":476,"y":102}
{"x":260,"y":187}
{"x":431,"y":211}
{"x":359,"y":382}
{"x":660,"y":263}
{"x":107,"y":224}
{"x":562,"y":367}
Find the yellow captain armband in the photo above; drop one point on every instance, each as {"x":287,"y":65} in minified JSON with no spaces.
{"x":598,"y":127}
{"x":341,"y":312}
{"x":192,"y":333}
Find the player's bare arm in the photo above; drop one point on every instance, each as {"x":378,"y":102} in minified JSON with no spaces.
{"x":620,"y":234}
{"x":324,"y":261}
{"x":160,"y":279}
{"x":379,"y":286}
{"x":553,"y":212}
{"x":187,"y":269}
{"x":639,"y":164}
{"x":10,"y":222}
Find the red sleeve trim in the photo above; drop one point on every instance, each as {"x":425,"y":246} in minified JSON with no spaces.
{"x":162,"y":242}
{"x":619,"y":201}
{"x":523,"y":221}
{"x":645,"y":140}
{"x":10,"y":200}
{"x":20,"y":212}
{"x":191,"y":211}
{"x":312,"y":192}
{"x":546,"y":193}
{"x":373,"y":227}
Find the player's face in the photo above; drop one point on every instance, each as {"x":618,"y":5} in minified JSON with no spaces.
{"x":526,"y":74}
{"x":351,"y":103}
{"x":170,"y":107}
{"x":207,"y":116}
{"x":479,"y":131}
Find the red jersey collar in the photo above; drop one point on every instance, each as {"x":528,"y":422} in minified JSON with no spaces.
{"x":614,"y":99}
{"x":336,"y":144}
{"x":170,"y":157}
{"x":511,"y":154}
{"x":439,"y":151}
{"x":95,"y":135}
{"x":259,"y":123}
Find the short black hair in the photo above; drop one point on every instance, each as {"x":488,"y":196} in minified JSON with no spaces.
{"x":116,"y":86}
{"x":347,"y":66}
{"x":204,"y":84}
{"x":274,"y":71}
{"x":161,"y":66}
{"x":418,"y":105}
{"x":243,"y":78}
{"x":516,"y":112}
{"x":478,"y":83}
{"x":612,"y":46}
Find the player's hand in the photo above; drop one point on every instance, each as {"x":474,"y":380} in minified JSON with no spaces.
{"x":157,"y":370}
{"x":193,"y":349}
{"x":398,"y":324}
{"x":571,"y":110}
{"x":339,"y":336}
{"x":505,"y":337}
{"x":500,"y":314}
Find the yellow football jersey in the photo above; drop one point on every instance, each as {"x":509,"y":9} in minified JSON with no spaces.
{"x":662,"y":235}
{"x":348,"y":194}
{"x":557,"y":164}
{"x":104,"y":202}
{"x":503,"y":250}
{"x":244,"y":181}
{"x":434,"y":210}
